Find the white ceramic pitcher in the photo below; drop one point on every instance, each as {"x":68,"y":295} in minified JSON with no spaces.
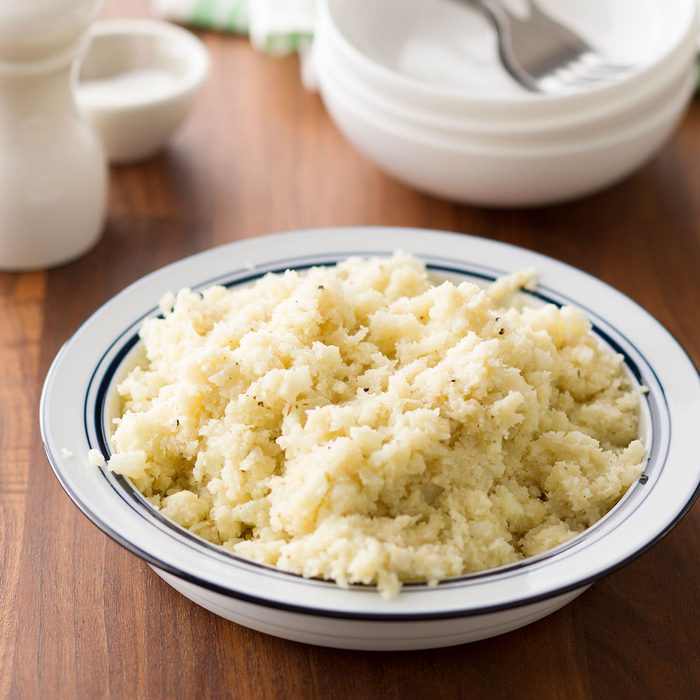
{"x":53,"y":174}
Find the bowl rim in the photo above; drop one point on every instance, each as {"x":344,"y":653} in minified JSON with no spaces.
{"x":190,"y":47}
{"x":69,"y":474}
{"x":424,"y":118}
{"x":687,"y":35}
{"x":666,"y":111}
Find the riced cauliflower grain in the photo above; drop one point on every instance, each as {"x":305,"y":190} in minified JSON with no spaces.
{"x":361,"y":424}
{"x":96,"y":458}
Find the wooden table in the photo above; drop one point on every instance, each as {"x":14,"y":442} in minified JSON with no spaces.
{"x":81,"y":617}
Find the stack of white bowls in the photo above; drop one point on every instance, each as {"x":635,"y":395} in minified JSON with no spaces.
{"x":418,"y":87}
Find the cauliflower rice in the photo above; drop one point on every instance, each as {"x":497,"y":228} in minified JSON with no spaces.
{"x":360,"y":424}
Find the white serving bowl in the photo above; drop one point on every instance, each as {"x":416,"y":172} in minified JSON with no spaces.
{"x":138,"y":82}
{"x":475,"y":171}
{"x":78,"y":402}
{"x":418,"y":87}
{"x":456,"y":71}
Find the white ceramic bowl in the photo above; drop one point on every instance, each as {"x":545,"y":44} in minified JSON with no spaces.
{"x":138,"y":82}
{"x":475,"y":171}
{"x":436,"y":56}
{"x":418,"y":87}
{"x":78,"y":401}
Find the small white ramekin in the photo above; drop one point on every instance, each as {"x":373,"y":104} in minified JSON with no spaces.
{"x":134,"y":127}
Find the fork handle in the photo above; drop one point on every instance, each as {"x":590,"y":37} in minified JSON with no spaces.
{"x":502,"y":21}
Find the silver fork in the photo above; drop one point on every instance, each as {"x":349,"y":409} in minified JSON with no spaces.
{"x":542,"y":54}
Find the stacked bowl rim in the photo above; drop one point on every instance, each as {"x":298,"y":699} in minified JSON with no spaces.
{"x":666,"y":112}
{"x":617,"y":118}
{"x":523,"y":111}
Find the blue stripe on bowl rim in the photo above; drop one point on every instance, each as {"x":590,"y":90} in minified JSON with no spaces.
{"x":120,"y":347}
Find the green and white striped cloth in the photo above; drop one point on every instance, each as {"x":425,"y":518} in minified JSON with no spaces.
{"x":275,"y":26}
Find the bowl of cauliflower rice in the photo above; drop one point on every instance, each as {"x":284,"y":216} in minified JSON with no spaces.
{"x":375,"y":438}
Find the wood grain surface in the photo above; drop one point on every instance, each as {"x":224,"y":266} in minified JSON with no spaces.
{"x":82,"y":618}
